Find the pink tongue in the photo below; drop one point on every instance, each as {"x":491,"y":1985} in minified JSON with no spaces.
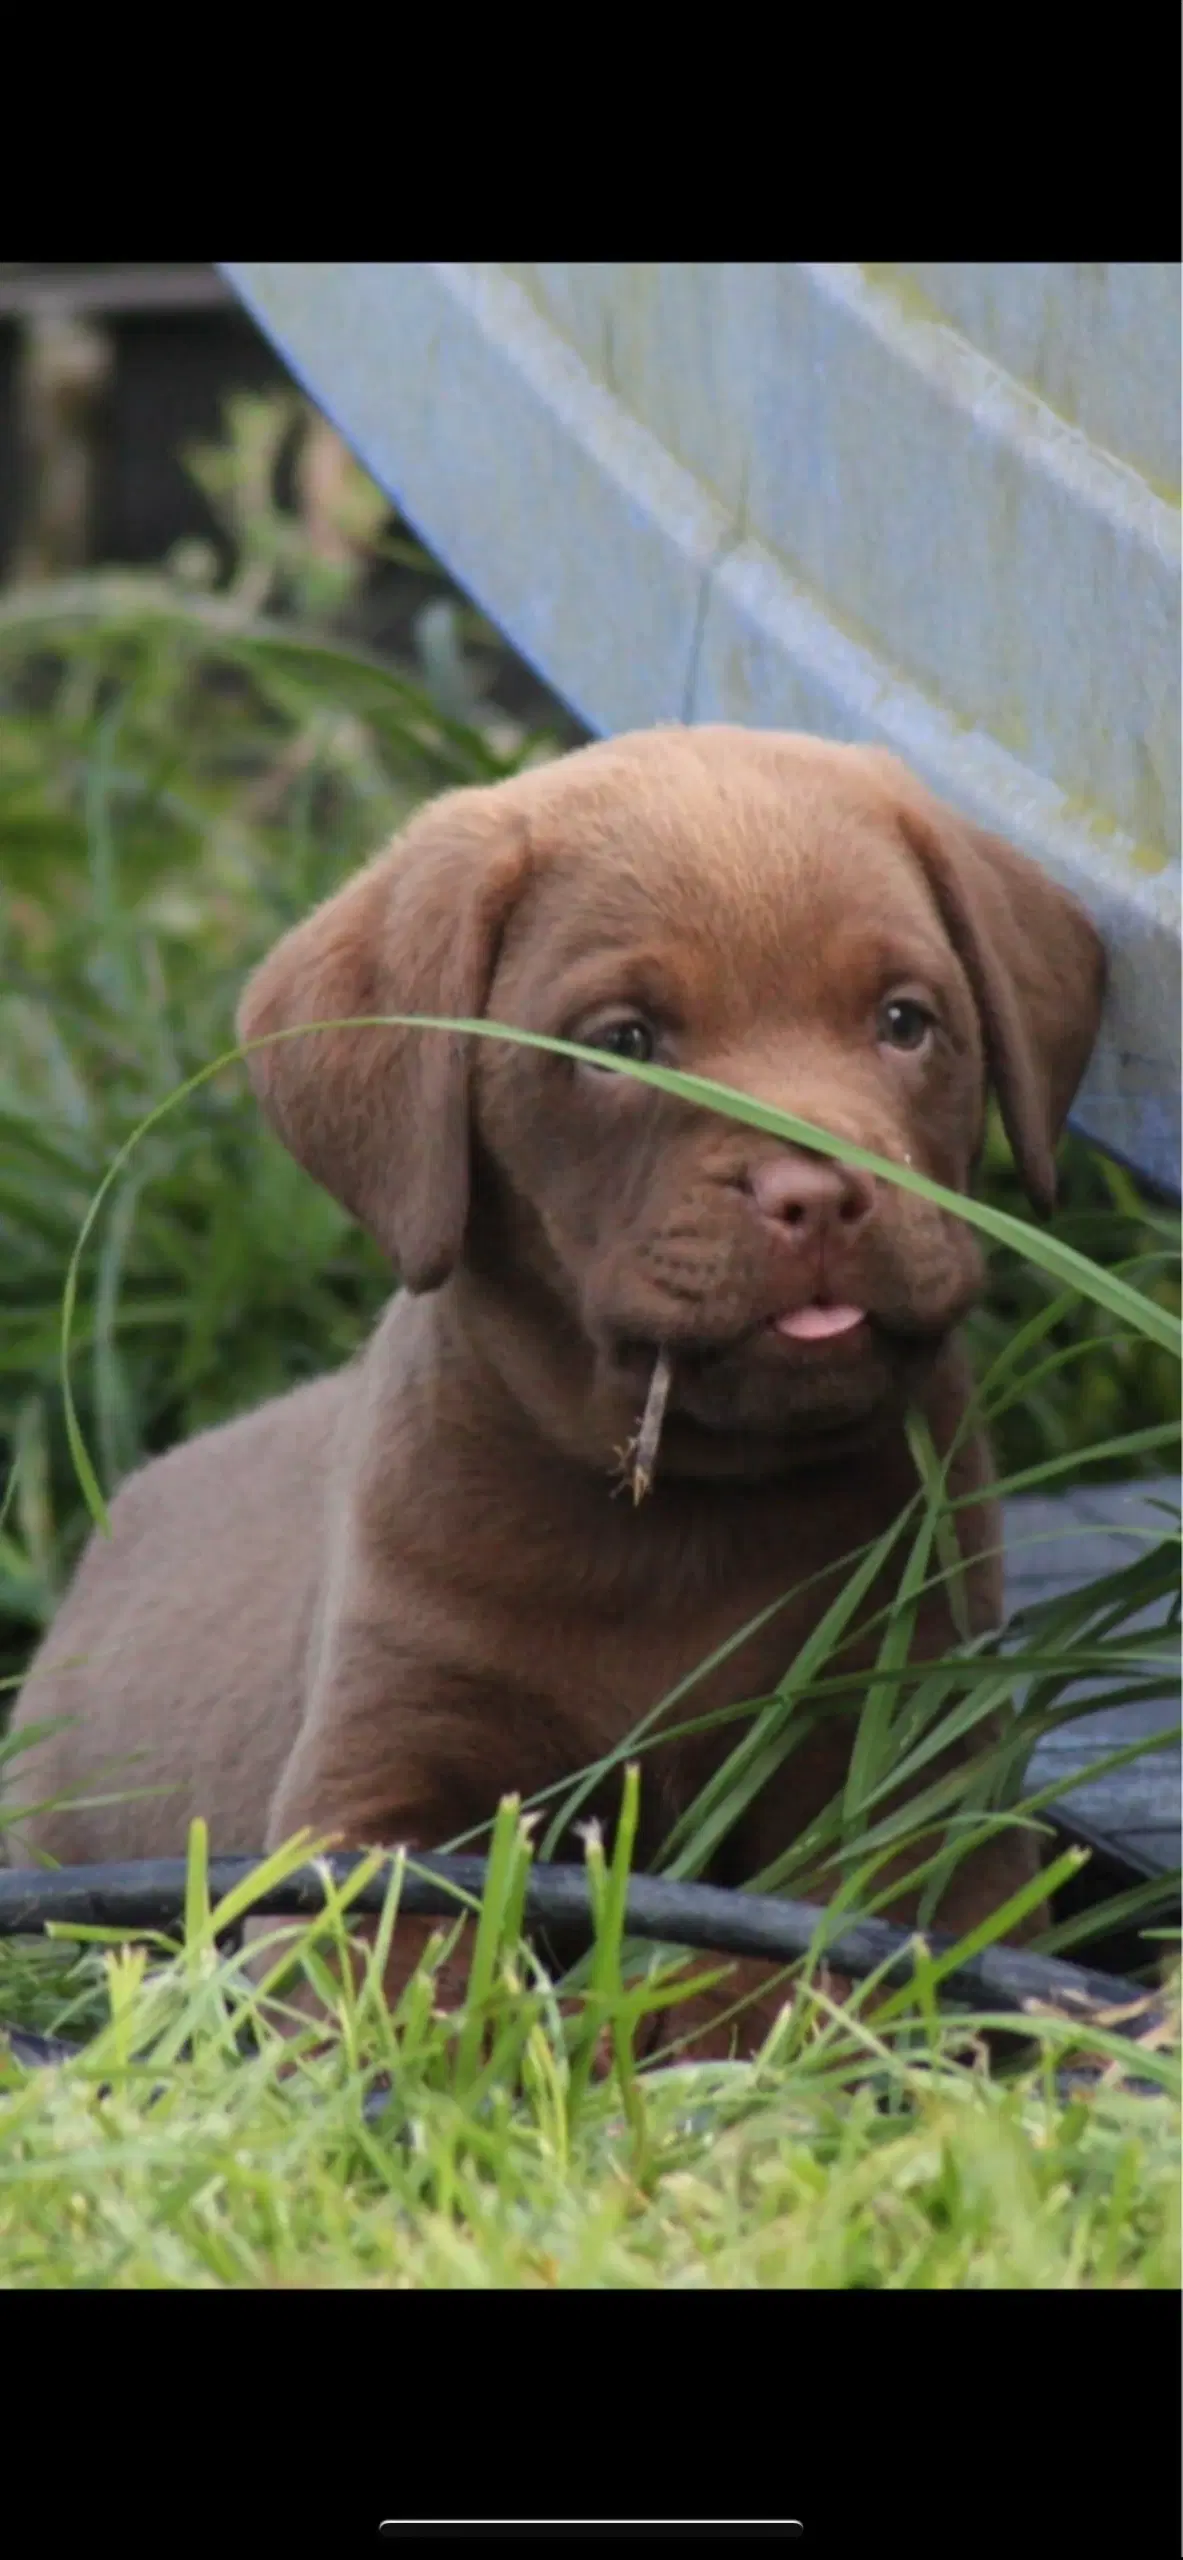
{"x":813,"y":1324}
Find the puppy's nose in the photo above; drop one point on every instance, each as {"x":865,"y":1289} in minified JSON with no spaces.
{"x":810,"y":1195}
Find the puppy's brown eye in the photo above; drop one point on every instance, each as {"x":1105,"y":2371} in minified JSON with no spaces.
{"x":629,"y":1038}
{"x":904,"y":1024}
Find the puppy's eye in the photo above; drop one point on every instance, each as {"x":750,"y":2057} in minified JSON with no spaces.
{"x":904,"y":1024}
{"x":630,"y":1037}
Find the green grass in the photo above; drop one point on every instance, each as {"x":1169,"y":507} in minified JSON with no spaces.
{"x":236,"y":2178}
{"x":856,"y":2151}
{"x":182,"y":772}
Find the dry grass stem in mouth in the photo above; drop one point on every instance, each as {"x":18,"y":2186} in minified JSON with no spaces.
{"x":639,"y":1457}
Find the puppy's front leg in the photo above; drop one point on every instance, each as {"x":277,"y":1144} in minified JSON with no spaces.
{"x":397,"y":1753}
{"x":296,"y":2004}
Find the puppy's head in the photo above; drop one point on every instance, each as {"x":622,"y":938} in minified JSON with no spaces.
{"x":799,"y":920}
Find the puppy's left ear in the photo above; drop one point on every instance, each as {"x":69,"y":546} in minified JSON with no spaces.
{"x":1036,"y":965}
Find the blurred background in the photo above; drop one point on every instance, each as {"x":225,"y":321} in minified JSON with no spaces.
{"x":112,"y":378}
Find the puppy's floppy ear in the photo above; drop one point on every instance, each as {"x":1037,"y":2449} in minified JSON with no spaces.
{"x":1036,"y":966}
{"x":381,"y":1117}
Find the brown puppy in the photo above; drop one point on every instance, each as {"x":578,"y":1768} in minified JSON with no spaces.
{"x":380,"y":1603}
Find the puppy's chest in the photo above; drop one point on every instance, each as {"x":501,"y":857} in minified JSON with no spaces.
{"x":599,"y":1615}
{"x":606,"y":1670}
{"x":599,"y":1692}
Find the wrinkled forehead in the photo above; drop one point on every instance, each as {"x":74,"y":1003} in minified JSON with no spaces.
{"x":743,"y":893}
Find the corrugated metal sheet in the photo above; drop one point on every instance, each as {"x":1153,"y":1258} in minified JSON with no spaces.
{"x":934,"y":506}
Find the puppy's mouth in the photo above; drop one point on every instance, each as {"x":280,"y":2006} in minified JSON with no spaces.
{"x":818,"y":1363}
{"x":820,"y":1326}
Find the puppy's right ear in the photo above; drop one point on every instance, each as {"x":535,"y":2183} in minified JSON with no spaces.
{"x":381,"y":1116}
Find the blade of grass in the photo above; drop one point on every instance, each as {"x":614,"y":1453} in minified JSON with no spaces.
{"x":498,"y":1928}
{"x":1119,"y":1911}
{"x":726,"y":1795}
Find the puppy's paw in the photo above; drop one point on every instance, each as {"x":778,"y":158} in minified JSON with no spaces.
{"x":728,"y":2023}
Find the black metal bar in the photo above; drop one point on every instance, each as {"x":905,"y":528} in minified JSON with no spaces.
{"x":150,"y":1895}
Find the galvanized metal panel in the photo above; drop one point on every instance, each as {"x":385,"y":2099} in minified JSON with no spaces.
{"x":1104,"y":354}
{"x":933,"y":504}
{"x":1054,"y":1546}
{"x":797,"y":495}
